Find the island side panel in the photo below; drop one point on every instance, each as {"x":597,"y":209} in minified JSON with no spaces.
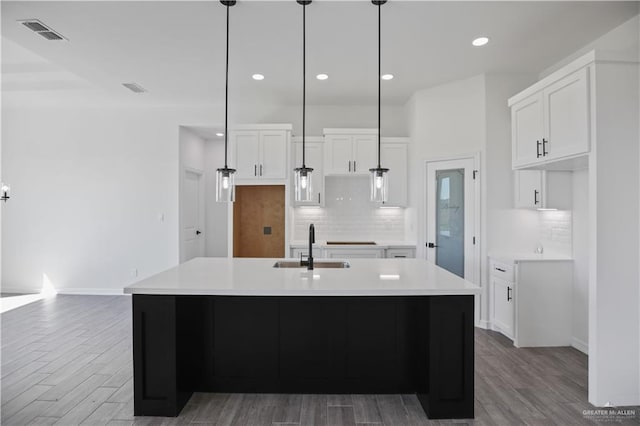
{"x":154,"y":356}
{"x":450,"y":358}
{"x":168,"y":355}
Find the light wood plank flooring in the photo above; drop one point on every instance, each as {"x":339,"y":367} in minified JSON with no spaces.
{"x":67,"y":361}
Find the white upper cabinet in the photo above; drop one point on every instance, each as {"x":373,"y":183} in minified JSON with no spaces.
{"x":550,"y":120}
{"x":528,"y":186}
{"x":394,"y":158}
{"x":314,"y":158}
{"x":350,"y":151}
{"x":567,"y":116}
{"x":260,"y":154}
{"x":543,"y":189}
{"x":527,"y":130}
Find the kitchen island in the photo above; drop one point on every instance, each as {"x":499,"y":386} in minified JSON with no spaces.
{"x":241,"y":325}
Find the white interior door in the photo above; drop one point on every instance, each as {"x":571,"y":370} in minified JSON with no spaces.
{"x":192,"y":229}
{"x":451,"y":216}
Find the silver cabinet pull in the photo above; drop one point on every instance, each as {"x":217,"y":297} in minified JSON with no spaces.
{"x":318,"y":198}
{"x":544,"y":147}
{"x":255,"y":170}
{"x":538,"y":144}
{"x":535,"y":196}
{"x":349,"y":166}
{"x":260,"y":169}
{"x":509,"y":294}
{"x":354,"y":166}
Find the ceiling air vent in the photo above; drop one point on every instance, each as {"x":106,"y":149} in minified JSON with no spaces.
{"x":41,"y":29}
{"x":135,"y":87}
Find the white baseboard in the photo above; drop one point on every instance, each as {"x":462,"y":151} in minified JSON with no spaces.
{"x":483,"y":324}
{"x":580,"y":345}
{"x":92,"y":291}
{"x":19,"y":290}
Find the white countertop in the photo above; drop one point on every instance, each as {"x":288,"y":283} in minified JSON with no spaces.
{"x":530,"y":257}
{"x":258,"y":277}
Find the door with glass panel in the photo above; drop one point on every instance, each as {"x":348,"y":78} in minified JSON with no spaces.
{"x":451,"y":210}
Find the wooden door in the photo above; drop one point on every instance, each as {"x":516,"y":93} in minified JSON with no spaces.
{"x":259,"y":221}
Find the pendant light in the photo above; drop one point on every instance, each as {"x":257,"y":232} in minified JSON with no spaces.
{"x":302,"y":175}
{"x":379,"y":175}
{"x":225,"y":188}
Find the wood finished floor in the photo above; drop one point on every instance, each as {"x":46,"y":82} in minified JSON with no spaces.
{"x":67,"y":361}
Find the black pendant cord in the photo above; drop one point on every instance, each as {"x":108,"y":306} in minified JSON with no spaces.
{"x":379,"y":80}
{"x":304,"y":80}
{"x":226,"y":94}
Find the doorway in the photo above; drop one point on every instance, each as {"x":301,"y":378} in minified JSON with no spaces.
{"x":259,"y":221}
{"x":192,"y":215}
{"x":452,"y":216}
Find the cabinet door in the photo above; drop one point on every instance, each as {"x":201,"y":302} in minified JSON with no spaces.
{"x":503,"y":306}
{"x":527,"y":130}
{"x":365,"y":153}
{"x":528,"y":189}
{"x":315,"y":160}
{"x":338,"y":155}
{"x":408,"y":253}
{"x":246,"y":153}
{"x":273,"y":146}
{"x":567,"y":109}
{"x":394,"y":157}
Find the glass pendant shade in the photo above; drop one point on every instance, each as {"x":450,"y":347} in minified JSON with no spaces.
{"x":379,"y":183}
{"x":303,"y":184}
{"x":225,"y":187}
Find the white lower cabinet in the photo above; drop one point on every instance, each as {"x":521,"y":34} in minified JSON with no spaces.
{"x":354,"y":253}
{"x":400,"y":253}
{"x":503,"y":306}
{"x":531,"y":300}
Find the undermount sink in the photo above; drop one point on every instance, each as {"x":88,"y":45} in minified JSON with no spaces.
{"x":317,"y":264}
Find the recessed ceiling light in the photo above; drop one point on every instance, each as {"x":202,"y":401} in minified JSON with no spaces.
{"x":322,"y":76}
{"x":258,"y":77}
{"x":480,"y":41}
{"x":219,"y":134}
{"x":387,"y":76}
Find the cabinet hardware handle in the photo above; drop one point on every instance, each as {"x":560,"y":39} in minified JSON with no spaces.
{"x":544,"y":147}
{"x":509,"y":294}
{"x":535,"y":196}
{"x":260,"y":169}
{"x":255,"y":170}
{"x":538,"y":143}
{"x":354,"y":166}
{"x":398,"y":256}
{"x":318,"y":198}
{"x":500,"y":269}
{"x":349,"y":166}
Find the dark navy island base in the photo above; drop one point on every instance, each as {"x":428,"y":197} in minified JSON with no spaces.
{"x":304,"y":344}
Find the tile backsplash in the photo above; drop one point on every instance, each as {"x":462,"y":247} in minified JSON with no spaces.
{"x":349,"y":215}
{"x":555,"y":231}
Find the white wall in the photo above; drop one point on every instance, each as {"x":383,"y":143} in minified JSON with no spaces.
{"x":580,"y":216}
{"x":89,"y":188}
{"x":216,"y":213}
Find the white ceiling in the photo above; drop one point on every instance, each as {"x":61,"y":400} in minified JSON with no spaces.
{"x":176,"y":49}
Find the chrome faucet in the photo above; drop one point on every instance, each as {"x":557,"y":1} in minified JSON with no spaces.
{"x":312,"y":239}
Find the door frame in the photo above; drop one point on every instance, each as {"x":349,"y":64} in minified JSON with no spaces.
{"x":201,"y":207}
{"x":476,"y":222}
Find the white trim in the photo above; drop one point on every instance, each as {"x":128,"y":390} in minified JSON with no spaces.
{"x":580,"y":345}
{"x":483,"y":324}
{"x":92,"y":291}
{"x":278,"y":126}
{"x":349,"y":131}
{"x":19,"y":290}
